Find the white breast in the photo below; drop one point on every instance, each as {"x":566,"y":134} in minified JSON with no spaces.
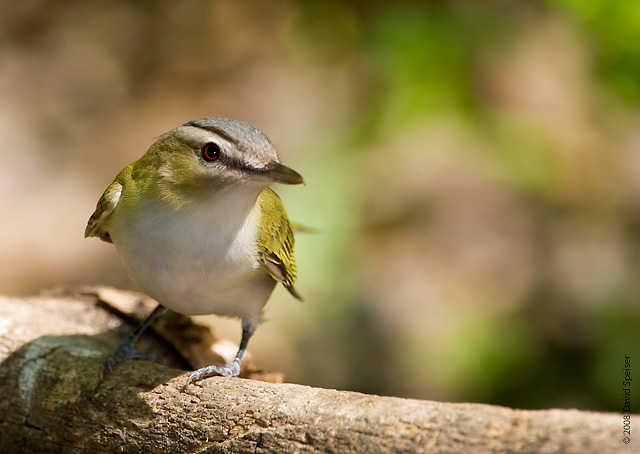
{"x":198,"y":259}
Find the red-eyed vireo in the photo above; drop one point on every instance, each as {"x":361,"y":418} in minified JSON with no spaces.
{"x":198,"y":228}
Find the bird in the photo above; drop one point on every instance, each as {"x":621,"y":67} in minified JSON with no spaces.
{"x":198,"y":228}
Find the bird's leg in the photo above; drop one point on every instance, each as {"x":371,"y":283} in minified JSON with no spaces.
{"x":126,"y":350}
{"x":233,"y":368}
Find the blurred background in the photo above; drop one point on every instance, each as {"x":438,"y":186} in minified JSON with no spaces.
{"x":472,"y":168}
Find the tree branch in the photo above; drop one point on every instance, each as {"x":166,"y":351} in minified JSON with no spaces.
{"x":53,"y":401}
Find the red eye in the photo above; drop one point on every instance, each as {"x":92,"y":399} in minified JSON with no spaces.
{"x":210,"y":152}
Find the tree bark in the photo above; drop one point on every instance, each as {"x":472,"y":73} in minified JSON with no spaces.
{"x":52,"y":399}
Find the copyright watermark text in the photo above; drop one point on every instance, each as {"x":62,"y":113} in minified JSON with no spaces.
{"x":626,"y":406}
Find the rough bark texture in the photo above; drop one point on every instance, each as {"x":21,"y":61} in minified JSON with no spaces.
{"x":53,"y":401}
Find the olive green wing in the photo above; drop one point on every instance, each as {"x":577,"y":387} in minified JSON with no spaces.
{"x":275,"y":240}
{"x":97,"y":225}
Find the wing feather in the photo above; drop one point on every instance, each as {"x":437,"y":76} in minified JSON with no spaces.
{"x":97,"y":225}
{"x":275,"y":238}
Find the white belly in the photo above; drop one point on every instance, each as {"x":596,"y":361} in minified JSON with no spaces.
{"x":196,"y":260}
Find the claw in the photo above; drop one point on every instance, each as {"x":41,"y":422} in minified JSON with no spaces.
{"x":125,"y":352}
{"x":228,"y":370}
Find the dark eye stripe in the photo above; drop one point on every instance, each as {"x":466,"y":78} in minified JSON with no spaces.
{"x":234,"y":163}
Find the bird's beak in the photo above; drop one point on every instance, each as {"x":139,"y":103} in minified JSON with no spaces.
{"x":282,"y":174}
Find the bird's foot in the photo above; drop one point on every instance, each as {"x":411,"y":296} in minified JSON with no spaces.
{"x":125,"y":352}
{"x":228,"y":370}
